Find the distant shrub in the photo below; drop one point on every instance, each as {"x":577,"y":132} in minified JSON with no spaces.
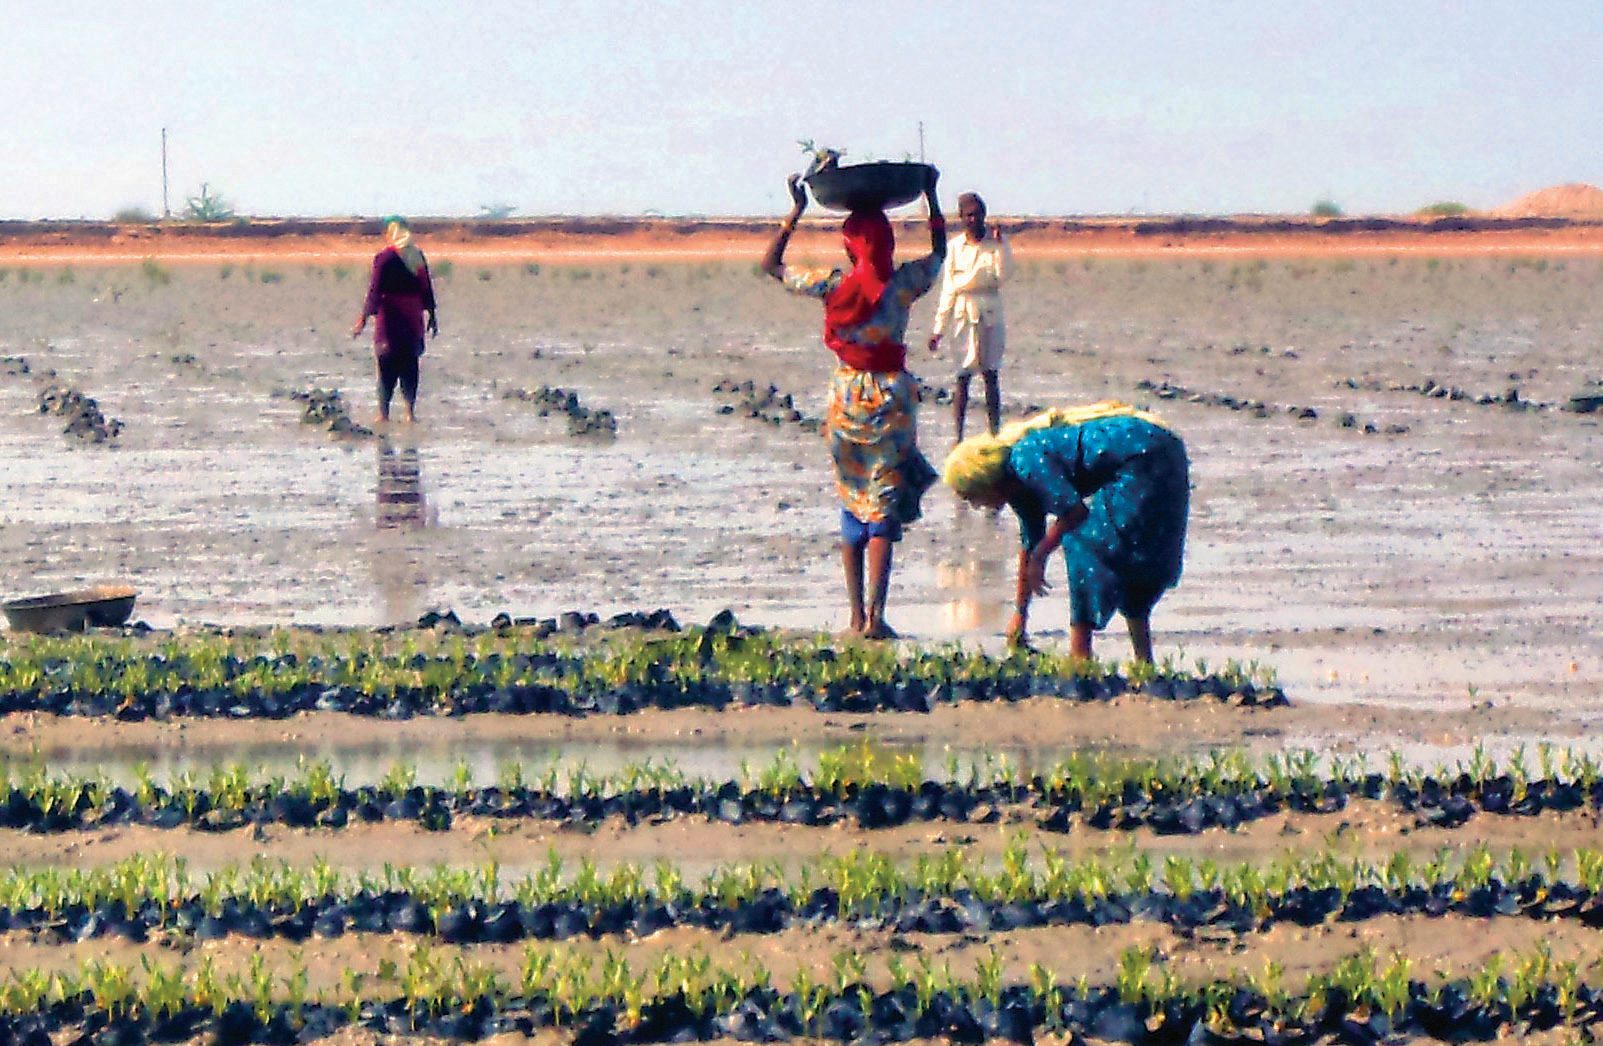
{"x":1442,"y":209}
{"x":225,"y":272}
{"x":66,"y":276}
{"x":485,"y":276}
{"x":533,"y":268}
{"x":271,"y":276}
{"x":133,"y":216}
{"x":342,"y":272}
{"x":156,"y":274}
{"x":496,"y":211}
{"x":1326,"y":209}
{"x":442,"y":269}
{"x":207,"y":206}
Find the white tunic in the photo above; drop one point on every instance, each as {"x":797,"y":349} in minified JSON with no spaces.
{"x":971,"y":299}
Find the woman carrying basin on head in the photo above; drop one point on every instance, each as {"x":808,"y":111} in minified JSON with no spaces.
{"x":880,"y":475}
{"x":1116,"y":483}
{"x":398,"y":295}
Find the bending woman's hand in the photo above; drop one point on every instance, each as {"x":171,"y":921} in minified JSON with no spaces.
{"x":1018,"y":633}
{"x":1035,"y":571}
{"x":798,"y":195}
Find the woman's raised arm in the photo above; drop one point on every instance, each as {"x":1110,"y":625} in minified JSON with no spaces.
{"x":774,"y":260}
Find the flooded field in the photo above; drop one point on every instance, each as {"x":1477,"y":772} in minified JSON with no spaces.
{"x":1454,"y":562}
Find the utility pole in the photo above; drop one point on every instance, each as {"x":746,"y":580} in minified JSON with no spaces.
{"x":921,"y":141}
{"x":166,"y":211}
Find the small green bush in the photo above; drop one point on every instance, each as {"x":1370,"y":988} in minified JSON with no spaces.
{"x":1442,"y":209}
{"x":442,"y":269}
{"x":1326,"y":209}
{"x":156,"y":274}
{"x":207,"y":206}
{"x":133,"y":216}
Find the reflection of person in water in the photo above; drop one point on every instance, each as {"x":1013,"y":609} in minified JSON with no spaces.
{"x":396,"y":554}
{"x":970,"y":585}
{"x":401,"y":504}
{"x":1115,"y":480}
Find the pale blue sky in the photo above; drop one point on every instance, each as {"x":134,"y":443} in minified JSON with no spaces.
{"x":363,"y":107}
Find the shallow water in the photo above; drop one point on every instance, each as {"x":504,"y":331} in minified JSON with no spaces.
{"x":1451,"y":564}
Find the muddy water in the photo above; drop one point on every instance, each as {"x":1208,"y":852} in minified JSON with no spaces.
{"x":1452,"y":565}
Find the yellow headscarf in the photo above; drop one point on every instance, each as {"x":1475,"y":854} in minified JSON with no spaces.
{"x":978,"y":464}
{"x":399,"y":235}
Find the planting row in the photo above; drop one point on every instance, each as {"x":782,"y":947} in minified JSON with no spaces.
{"x":687,"y":998}
{"x":864,"y":785}
{"x":700,"y":667}
{"x":1165,"y":390}
{"x":943,"y":893}
{"x":1509,"y":400}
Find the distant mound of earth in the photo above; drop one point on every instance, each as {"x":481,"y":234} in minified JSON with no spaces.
{"x":1576,"y":200}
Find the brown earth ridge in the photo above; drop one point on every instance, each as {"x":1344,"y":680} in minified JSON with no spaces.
{"x":580,"y":239}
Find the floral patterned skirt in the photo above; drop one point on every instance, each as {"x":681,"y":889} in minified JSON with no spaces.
{"x":880,"y":474}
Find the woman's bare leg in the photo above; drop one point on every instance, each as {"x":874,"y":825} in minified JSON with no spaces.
{"x":851,"y":557}
{"x":1140,"y":638}
{"x":993,"y":401}
{"x":386,"y":390}
{"x":1080,"y":641}
{"x":880,"y":555}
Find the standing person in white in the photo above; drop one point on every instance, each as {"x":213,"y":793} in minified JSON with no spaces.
{"x":978,"y":261}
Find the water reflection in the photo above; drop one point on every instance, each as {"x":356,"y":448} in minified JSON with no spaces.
{"x":974,"y":577}
{"x":401,"y":513}
{"x":399,"y":490}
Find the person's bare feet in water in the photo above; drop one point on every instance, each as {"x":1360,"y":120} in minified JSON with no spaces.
{"x":381,"y":419}
{"x":878,"y":629}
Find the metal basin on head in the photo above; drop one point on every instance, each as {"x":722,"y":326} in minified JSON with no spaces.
{"x":868,"y":186}
{"x":103,"y":606}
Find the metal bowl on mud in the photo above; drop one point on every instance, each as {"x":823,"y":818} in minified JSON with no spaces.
{"x":868,"y":186}
{"x":104,"y":606}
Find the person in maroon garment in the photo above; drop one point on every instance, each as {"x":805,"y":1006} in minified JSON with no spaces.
{"x":399,"y":295}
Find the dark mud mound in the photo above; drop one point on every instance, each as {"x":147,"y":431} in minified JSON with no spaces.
{"x":85,"y":420}
{"x":582,"y":420}
{"x":767,"y":405}
{"x":326,"y":409}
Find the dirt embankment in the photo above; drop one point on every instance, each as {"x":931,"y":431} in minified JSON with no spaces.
{"x":581,"y":239}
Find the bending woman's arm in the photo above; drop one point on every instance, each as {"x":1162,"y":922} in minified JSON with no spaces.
{"x":1032,"y":569}
{"x":774,"y":260}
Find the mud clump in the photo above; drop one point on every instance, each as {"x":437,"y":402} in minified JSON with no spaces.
{"x":582,"y":421}
{"x":85,"y":420}
{"x":325,"y":408}
{"x":767,"y":405}
{"x":15,"y":366}
{"x":1165,"y":390}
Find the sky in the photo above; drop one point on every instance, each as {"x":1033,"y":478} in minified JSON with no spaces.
{"x":312,"y":107}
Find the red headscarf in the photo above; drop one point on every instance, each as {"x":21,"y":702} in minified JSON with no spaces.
{"x":872,"y":246}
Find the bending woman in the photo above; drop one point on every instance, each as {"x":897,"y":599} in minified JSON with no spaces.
{"x":880,"y":475}
{"x":1116,"y":483}
{"x":399,"y":294}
